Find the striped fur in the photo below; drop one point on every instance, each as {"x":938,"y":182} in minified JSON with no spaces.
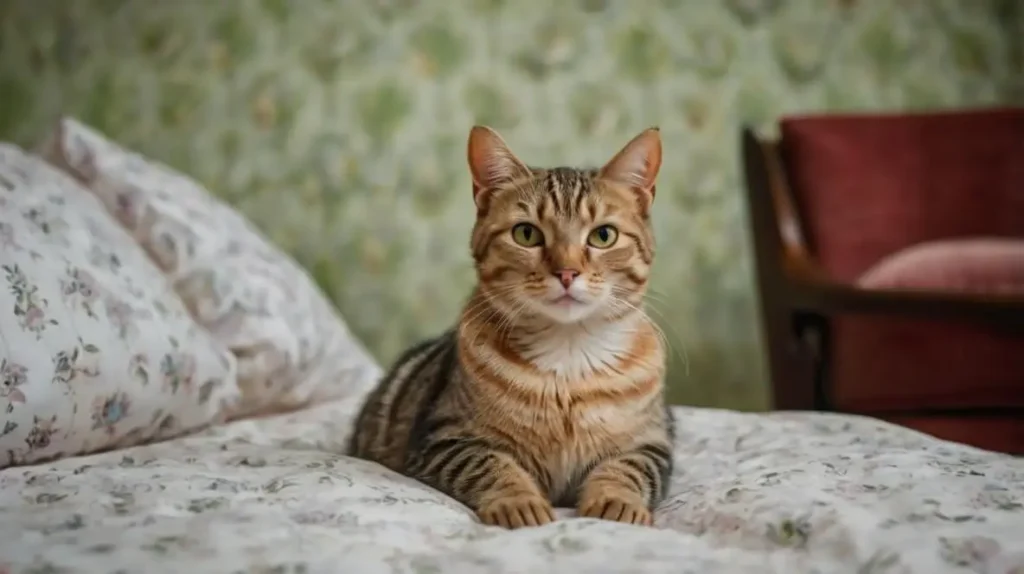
{"x":549,"y":390}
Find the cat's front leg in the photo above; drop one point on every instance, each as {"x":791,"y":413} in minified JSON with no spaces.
{"x":627,"y":487}
{"x":485,"y":478}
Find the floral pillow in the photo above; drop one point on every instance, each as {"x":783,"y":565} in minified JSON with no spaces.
{"x":96,"y":350}
{"x":292,"y":347}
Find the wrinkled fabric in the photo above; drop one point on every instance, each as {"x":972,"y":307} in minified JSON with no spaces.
{"x":752,"y":493}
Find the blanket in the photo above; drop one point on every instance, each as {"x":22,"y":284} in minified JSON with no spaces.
{"x":777,"y":492}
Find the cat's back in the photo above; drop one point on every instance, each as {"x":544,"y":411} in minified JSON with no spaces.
{"x":391,"y":410}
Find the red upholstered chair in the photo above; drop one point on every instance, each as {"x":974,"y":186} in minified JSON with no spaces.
{"x":890,"y":264}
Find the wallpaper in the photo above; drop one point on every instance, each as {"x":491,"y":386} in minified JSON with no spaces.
{"x":339,"y":126}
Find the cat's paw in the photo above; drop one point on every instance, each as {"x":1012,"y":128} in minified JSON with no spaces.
{"x":616,"y":507}
{"x":517,"y":511}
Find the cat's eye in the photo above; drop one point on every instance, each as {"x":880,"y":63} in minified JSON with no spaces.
{"x":603,"y":237}
{"x":527,"y":235}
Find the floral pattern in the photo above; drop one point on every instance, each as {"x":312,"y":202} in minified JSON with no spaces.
{"x":108,"y":411}
{"x":753,"y":493}
{"x":13,"y":376}
{"x":29,"y":306}
{"x":293,"y":348}
{"x":83,"y":315}
{"x":79,"y":290}
{"x":39,"y":434}
{"x":67,"y":367}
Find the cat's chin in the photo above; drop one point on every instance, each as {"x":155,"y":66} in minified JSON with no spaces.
{"x":566,"y":310}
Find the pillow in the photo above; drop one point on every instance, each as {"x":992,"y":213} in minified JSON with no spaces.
{"x":292,"y":347}
{"x":96,"y":350}
{"x":976,"y":265}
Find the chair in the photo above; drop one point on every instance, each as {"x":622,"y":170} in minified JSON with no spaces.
{"x":890,"y":265}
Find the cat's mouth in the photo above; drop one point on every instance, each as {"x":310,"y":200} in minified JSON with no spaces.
{"x":566,"y":300}
{"x":566,"y":307}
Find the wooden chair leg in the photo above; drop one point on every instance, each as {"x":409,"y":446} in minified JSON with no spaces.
{"x":792,"y":356}
{"x":813,"y":334}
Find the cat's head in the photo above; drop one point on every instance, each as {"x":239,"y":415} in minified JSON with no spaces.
{"x":563,"y":243}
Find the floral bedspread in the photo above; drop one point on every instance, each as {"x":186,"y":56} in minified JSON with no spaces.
{"x":782,"y":493}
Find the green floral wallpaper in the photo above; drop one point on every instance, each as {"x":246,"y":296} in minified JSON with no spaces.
{"x":339,"y":126}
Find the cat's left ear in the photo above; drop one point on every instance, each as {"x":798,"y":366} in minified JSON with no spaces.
{"x":491,"y":163}
{"x":637,"y":164}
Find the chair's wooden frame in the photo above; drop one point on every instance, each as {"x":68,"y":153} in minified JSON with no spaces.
{"x":797,"y":297}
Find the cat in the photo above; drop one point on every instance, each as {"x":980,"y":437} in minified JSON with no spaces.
{"x":549,"y":390}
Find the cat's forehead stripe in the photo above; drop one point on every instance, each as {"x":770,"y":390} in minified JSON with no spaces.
{"x":552,"y":190}
{"x":566,"y":188}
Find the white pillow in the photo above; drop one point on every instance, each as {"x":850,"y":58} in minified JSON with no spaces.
{"x":293,"y":348}
{"x":96,"y":350}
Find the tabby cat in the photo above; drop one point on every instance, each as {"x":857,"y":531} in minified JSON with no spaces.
{"x":549,"y":389}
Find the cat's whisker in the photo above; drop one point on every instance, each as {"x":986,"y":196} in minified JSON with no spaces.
{"x":477,"y":310}
{"x":484,"y":310}
{"x":678,"y":348}
{"x":490,"y":309}
{"x":485,"y":304}
{"x":665,"y":322}
{"x":661,"y":332}
{"x":506,"y":318}
{"x":510,"y":322}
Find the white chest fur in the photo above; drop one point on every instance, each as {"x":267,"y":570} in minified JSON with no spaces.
{"x":581,"y":350}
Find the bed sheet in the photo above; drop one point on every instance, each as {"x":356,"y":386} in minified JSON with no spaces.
{"x":780,"y":492}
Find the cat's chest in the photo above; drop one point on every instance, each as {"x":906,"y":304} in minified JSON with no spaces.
{"x":585,"y":395}
{"x":567,"y":445}
{"x":565,"y":435}
{"x":571,"y":358}
{"x":566,"y":438}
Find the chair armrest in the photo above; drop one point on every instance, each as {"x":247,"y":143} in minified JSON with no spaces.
{"x":810,"y":291}
{"x":810,"y":288}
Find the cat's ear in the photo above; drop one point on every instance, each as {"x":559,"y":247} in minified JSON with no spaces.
{"x":490,"y":161}
{"x":637,"y":164}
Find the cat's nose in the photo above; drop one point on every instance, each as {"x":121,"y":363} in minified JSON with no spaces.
{"x":566,"y":276}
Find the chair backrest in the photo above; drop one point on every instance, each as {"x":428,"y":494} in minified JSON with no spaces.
{"x":869,"y":185}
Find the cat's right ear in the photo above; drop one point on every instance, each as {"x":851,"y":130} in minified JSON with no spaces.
{"x":491,"y":163}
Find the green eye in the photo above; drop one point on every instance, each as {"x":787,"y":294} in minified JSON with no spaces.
{"x":603,"y":237}
{"x":527,"y":235}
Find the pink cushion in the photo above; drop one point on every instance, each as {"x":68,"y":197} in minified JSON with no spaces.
{"x":977,"y":265}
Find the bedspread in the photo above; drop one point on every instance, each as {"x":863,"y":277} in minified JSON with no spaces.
{"x":782,"y":492}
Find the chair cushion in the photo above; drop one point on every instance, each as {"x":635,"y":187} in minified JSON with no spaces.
{"x":870,"y":185}
{"x":976,"y":265}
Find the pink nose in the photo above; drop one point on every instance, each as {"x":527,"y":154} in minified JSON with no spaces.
{"x":566,"y":276}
